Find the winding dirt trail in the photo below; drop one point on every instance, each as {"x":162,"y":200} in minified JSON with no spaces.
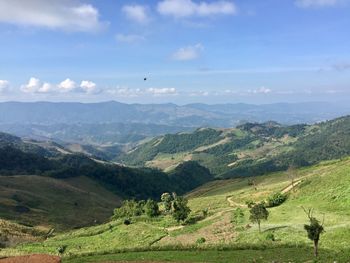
{"x":290,"y":187}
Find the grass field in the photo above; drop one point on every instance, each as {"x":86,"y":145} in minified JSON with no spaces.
{"x":324,"y":187}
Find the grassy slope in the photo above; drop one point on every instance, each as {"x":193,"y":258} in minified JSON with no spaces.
{"x":218,"y":154}
{"x":63,"y":204}
{"x":324,"y":187}
{"x":250,"y":149}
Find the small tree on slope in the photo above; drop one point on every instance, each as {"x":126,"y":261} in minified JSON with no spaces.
{"x":152,"y":208}
{"x":166,"y":199}
{"x":314,"y":230}
{"x":181,"y":210}
{"x":258,"y":212}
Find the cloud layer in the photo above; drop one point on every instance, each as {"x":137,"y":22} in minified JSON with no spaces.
{"x":188,"y":8}
{"x":64,"y":14}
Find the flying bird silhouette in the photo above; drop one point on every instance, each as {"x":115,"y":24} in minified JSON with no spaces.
{"x":144,"y":79}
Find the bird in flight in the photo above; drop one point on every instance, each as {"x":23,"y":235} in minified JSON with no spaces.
{"x":144,"y":79}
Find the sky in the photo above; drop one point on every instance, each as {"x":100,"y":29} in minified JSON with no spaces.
{"x":210,"y":51}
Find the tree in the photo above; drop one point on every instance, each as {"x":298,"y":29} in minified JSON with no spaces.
{"x":129,"y":209}
{"x":152,"y":208}
{"x":166,"y":199}
{"x":314,"y":229}
{"x":258,"y":212}
{"x":180,"y":209}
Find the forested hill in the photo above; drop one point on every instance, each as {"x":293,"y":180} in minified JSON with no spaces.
{"x":248,"y":149}
{"x":20,"y":158}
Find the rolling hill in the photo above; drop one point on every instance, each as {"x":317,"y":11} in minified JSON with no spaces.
{"x":48,"y":202}
{"x":322,"y":187}
{"x":248,"y":149}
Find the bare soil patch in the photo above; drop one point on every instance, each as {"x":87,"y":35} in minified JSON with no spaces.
{"x":32,"y":259}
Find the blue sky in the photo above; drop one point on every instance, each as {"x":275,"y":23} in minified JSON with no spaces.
{"x":190,"y":51}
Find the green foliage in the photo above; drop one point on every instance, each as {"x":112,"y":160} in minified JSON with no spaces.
{"x":61,"y":249}
{"x":276,"y":199}
{"x":166,"y":198}
{"x":314,"y":230}
{"x":237,"y":216}
{"x":200,"y":240}
{"x":270,"y":236}
{"x":129,"y":209}
{"x":180,"y":209}
{"x":257,"y":213}
{"x":152,"y":208}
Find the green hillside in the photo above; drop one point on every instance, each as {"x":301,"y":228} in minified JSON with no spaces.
{"x":250,"y":149}
{"x":48,"y":202}
{"x":139,"y":183}
{"x":323,"y":187}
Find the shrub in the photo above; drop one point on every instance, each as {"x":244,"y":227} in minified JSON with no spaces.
{"x":152,"y":208}
{"x":129,"y":209}
{"x":61,"y":249}
{"x":276,"y":199}
{"x":237,"y":216}
{"x":200,"y":240}
{"x":205,"y":212}
{"x":270,"y":236}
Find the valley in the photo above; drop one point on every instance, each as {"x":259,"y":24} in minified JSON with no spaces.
{"x":323,"y":187}
{"x":58,"y":199}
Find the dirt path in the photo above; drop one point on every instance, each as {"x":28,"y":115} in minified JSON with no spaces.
{"x":174,"y":228}
{"x":233,"y":203}
{"x":290,"y":187}
{"x":32,"y":259}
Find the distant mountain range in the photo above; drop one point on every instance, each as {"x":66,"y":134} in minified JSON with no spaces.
{"x":192,"y":115}
{"x":110,"y":123}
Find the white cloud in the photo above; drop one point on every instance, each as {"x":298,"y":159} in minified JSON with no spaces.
{"x":316,"y":3}
{"x":188,"y":8}
{"x":136,"y":13}
{"x":125,"y":92}
{"x":4,"y":85}
{"x":67,"y":85}
{"x":261,"y":90}
{"x":34,"y":85}
{"x":199,"y":93}
{"x":129,"y":38}
{"x":162,"y":91}
{"x":137,"y":92}
{"x":188,"y":53}
{"x":53,"y":14}
{"x":88,"y":86}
